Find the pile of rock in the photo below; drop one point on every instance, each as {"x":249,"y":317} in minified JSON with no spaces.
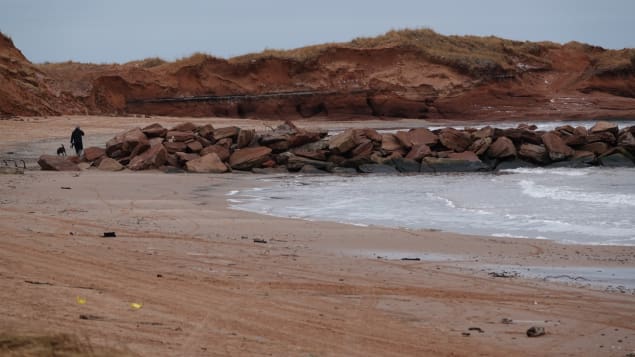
{"x":206,"y":149}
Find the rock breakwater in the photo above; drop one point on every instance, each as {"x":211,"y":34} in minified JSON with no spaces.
{"x":287,"y":148}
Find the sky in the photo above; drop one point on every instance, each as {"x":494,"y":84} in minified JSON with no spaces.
{"x":124,"y":30}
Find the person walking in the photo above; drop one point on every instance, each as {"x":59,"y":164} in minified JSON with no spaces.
{"x":76,"y":140}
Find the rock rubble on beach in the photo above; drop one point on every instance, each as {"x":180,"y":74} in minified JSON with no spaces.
{"x":205,"y":149}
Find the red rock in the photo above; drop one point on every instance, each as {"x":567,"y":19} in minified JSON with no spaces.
{"x":226,"y":142}
{"x":194,"y":146}
{"x":556,"y":147}
{"x":534,"y":153}
{"x":155,"y":141}
{"x":204,"y":142}
{"x":422,"y":136}
{"x":604,"y":126}
{"x":404,"y":139}
{"x":389,"y":142}
{"x":302,"y":138}
{"x":154,"y":157}
{"x":598,"y":148}
{"x":480,"y":146}
{"x":184,"y":127}
{"x":465,"y":156}
{"x":173,"y":147}
{"x":486,"y":132}
{"x":123,"y":144}
{"x":604,"y":136}
{"x":627,"y":140}
{"x":575,"y":139}
{"x":581,"y":154}
{"x":206,"y":131}
{"x":456,"y":140}
{"x":311,"y":154}
{"x":228,"y":132}
{"x":93,"y":153}
{"x":343,"y":142}
{"x":57,"y":163}
{"x":419,"y":152}
{"x":370,"y":134}
{"x":108,"y":164}
{"x":185,"y":157}
{"x":580,"y":130}
{"x":210,"y":163}
{"x":248,"y":158}
{"x":155,"y":130}
{"x":245,"y":138}
{"x":221,"y":151}
{"x":179,"y":136}
{"x":502,"y":148}
{"x":363,"y":150}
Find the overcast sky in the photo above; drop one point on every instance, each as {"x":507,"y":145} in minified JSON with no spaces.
{"x":124,"y":30}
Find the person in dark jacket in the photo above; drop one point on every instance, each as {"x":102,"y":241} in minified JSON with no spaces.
{"x":76,"y":140}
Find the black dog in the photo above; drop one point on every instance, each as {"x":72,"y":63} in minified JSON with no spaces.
{"x":61,"y":151}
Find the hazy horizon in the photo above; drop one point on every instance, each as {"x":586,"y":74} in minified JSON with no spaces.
{"x":121,"y":31}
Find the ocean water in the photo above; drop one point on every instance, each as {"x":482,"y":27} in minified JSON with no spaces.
{"x":587,"y":206}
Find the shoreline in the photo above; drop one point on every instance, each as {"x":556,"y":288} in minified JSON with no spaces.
{"x":207,"y":285}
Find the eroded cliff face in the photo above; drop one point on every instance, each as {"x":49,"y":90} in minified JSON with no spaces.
{"x":406,"y":74}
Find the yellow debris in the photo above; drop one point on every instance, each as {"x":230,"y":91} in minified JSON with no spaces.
{"x":136,"y":305}
{"x":81,"y":300}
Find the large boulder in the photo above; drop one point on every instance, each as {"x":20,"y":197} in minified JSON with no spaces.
{"x":123,"y":144}
{"x":108,"y":164}
{"x":183,"y":157}
{"x":175,"y":146}
{"x":502,"y":148}
{"x":377,"y":169}
{"x":222,"y":151}
{"x":57,"y":163}
{"x":451,"y":165}
{"x":455,"y":140}
{"x":248,"y":158}
{"x":245,"y":138}
{"x":343,"y":142}
{"x":603,"y":136}
{"x":228,"y":132}
{"x":155,"y":130}
{"x":209,"y":163}
{"x":598,"y":147}
{"x":365,"y":149}
{"x":93,"y":153}
{"x":604,"y":126}
{"x":419,"y":152}
{"x":389,"y":142}
{"x":535,"y":153}
{"x":302,"y":138}
{"x":154,"y":157}
{"x":179,"y":136}
{"x":406,"y":165}
{"x":483,"y":133}
{"x":194,"y":146}
{"x":296,"y":163}
{"x":480,"y":146}
{"x":465,"y":155}
{"x":616,"y":158}
{"x":422,"y":136}
{"x":556,"y":147}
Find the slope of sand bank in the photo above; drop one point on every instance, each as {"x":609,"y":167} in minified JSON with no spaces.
{"x":206,"y":287}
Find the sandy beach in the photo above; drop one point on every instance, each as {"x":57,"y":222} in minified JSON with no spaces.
{"x":188,"y":276}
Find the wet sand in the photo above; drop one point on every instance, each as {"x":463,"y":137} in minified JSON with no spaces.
{"x":209,"y":285}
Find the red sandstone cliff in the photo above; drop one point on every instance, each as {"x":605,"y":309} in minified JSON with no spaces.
{"x":409,"y":73}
